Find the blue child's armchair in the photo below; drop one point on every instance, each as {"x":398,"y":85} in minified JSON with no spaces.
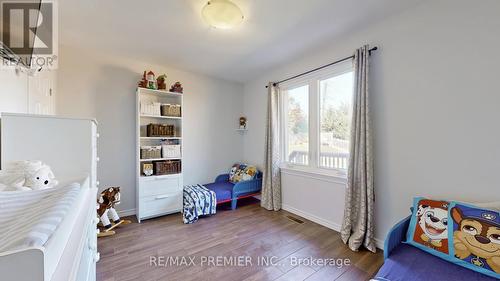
{"x":227,"y":191}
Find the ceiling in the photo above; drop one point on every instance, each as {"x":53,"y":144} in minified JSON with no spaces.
{"x":172,"y":32}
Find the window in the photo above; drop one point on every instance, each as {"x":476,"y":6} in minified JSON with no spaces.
{"x":297,"y":125}
{"x":335,"y":103}
{"x":317,"y":114}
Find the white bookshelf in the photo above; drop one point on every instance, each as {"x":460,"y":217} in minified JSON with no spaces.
{"x":157,"y":195}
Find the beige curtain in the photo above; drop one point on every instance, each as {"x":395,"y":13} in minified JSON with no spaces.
{"x":357,"y":227}
{"x":271,"y":186}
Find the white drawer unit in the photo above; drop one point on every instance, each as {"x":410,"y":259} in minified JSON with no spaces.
{"x":158,"y":187}
{"x":159,"y":196}
{"x":161,"y":204}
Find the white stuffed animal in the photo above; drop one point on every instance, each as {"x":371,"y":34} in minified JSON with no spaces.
{"x":27,"y":175}
{"x":40,"y":179}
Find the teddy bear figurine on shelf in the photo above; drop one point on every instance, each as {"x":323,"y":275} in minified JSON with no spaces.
{"x":106,"y":203}
{"x":161,"y":82}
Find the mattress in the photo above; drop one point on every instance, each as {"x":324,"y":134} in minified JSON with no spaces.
{"x":53,"y":248}
{"x":408,"y":263}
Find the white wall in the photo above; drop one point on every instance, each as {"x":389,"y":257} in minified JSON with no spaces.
{"x":13,"y":91}
{"x":91,"y":84}
{"x":435,"y":98}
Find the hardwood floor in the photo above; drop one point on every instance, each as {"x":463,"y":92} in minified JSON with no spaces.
{"x":249,"y":231}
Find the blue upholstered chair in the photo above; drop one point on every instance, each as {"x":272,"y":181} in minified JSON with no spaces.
{"x":227,"y":191}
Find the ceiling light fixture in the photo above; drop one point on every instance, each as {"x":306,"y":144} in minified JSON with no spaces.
{"x":222,"y":14}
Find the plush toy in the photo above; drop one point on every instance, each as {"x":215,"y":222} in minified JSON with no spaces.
{"x":176,"y":88}
{"x":27,"y":175}
{"x":106,"y":203}
{"x":160,"y":81}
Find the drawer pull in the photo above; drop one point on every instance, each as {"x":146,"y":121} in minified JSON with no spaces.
{"x":161,"y":197}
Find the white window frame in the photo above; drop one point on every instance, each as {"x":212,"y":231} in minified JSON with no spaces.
{"x":313,"y":80}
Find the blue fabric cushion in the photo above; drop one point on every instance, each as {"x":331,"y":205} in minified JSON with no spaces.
{"x":223,"y":190}
{"x":407,"y":263}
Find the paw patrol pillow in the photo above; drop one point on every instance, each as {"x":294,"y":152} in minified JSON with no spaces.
{"x":457,"y":232}
{"x":242,"y":172}
{"x":429,"y":226}
{"x":476,"y":238}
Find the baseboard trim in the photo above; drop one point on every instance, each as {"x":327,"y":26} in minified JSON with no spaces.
{"x":379,"y":243}
{"x":126,"y":213}
{"x":313,"y":218}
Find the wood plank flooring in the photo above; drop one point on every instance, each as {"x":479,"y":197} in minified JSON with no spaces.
{"x":249,"y":231}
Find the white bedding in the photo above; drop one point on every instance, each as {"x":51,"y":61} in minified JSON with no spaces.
{"x":58,"y":242}
{"x":30,"y":218}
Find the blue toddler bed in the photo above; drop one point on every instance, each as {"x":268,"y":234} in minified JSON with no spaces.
{"x":227,"y":191}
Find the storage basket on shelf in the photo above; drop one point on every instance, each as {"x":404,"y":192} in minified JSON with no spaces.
{"x":167,"y":167}
{"x":172,"y":110}
{"x":160,"y":130}
{"x":151,"y":152}
{"x":150,"y":108}
{"x":171,"y":150}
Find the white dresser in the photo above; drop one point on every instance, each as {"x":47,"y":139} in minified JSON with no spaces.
{"x":157,"y":194}
{"x":160,"y":195}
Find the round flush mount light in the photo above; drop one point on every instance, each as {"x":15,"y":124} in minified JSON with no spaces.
{"x":222,"y":14}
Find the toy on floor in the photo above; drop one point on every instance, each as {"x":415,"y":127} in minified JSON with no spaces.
{"x":106,"y":203}
{"x":27,"y":175}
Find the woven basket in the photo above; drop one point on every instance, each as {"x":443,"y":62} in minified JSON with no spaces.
{"x":167,"y":167}
{"x":151,"y":108}
{"x":160,"y":130}
{"x":150,"y":152}
{"x":171,"y":150}
{"x":173,"y":110}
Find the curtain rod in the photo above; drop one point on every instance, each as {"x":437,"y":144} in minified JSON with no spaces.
{"x":321,"y":67}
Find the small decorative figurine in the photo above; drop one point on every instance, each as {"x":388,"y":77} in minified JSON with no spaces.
{"x":144,"y":82}
{"x":176,"y":88}
{"x":150,"y":77}
{"x":243,"y":123}
{"x":147,"y":169}
{"x":161,"y":82}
